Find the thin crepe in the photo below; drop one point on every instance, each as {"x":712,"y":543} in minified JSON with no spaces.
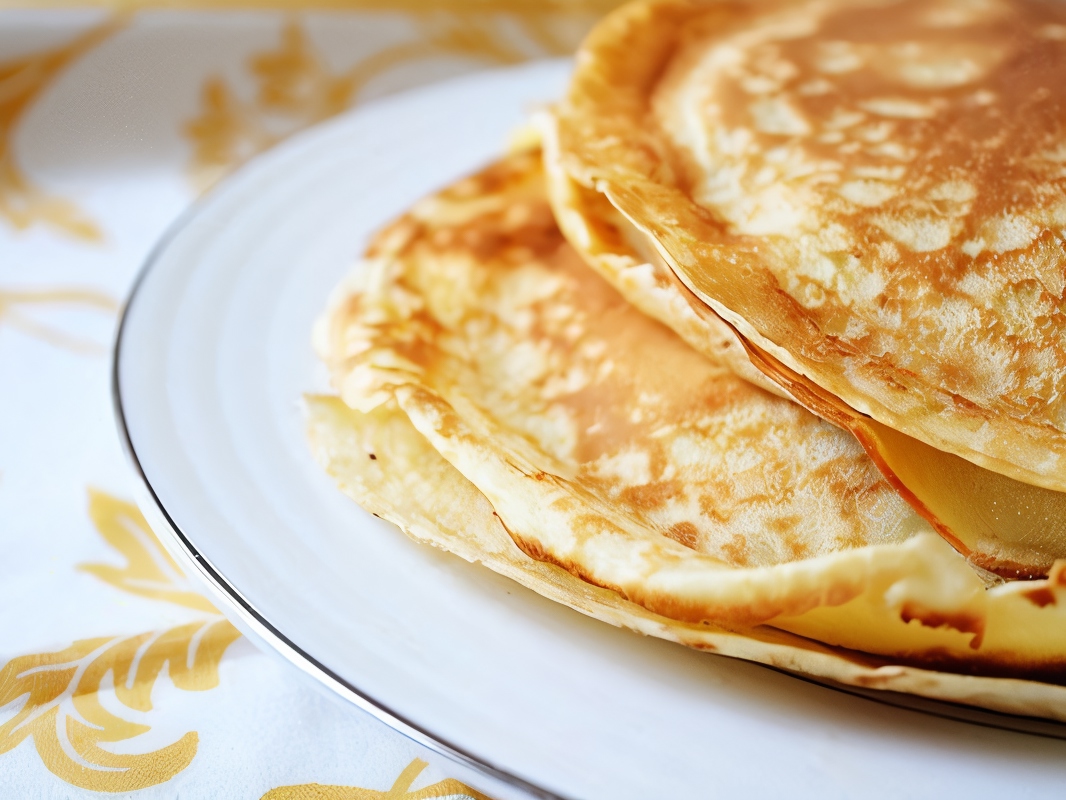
{"x":410,"y":484}
{"x":1001,"y":525}
{"x":608,"y":447}
{"x":795,"y":166}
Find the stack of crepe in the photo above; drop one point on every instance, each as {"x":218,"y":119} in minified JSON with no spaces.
{"x":760,"y":349}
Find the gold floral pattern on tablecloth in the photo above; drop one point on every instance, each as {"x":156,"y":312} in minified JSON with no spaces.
{"x":17,"y":308}
{"x":401,"y":789}
{"x":22,"y":81}
{"x":63,"y":714}
{"x":295,"y":88}
{"x":149,"y":570}
{"x":54,"y":697}
{"x":83,"y":706}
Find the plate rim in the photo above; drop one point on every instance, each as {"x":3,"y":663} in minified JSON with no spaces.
{"x":180,"y":546}
{"x":258,"y":627}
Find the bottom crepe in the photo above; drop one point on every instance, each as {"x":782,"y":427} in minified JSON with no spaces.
{"x":503,"y":402}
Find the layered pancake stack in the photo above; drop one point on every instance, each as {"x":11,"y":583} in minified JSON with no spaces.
{"x":759,"y":350}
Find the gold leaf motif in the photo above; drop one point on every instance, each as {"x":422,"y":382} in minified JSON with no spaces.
{"x":22,"y":81}
{"x":149,"y":570}
{"x":15,"y":305}
{"x":294,"y":80}
{"x":401,"y":789}
{"x":296,"y":88}
{"x":54,"y":699}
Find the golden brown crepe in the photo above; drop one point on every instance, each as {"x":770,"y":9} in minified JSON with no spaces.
{"x":606,"y":446}
{"x":1013,"y":529}
{"x":622,"y":255}
{"x":410,"y":484}
{"x":871,"y":194}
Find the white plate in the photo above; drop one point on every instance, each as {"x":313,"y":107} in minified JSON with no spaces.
{"x":212,"y":359}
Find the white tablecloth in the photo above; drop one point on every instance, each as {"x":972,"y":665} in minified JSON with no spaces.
{"x":117,"y":675}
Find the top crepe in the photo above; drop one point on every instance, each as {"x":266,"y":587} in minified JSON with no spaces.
{"x":871,"y":193}
{"x":1002,"y":525}
{"x":472,"y":334}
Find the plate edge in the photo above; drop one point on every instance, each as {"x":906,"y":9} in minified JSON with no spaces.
{"x":249,"y":618}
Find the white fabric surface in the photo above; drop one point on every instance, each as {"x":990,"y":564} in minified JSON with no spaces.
{"x":102,"y":146}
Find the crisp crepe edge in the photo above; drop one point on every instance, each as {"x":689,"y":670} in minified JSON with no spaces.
{"x":341,"y":439}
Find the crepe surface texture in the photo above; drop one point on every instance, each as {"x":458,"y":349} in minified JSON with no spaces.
{"x":872,"y":195}
{"x":551,"y":430}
